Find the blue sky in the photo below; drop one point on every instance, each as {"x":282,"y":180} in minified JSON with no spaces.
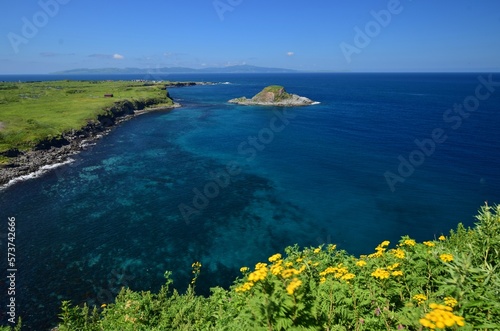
{"x":42,"y":36}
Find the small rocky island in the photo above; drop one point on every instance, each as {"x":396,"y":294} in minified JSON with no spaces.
{"x":274,"y":95}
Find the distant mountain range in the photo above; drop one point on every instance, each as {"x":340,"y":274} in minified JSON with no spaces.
{"x":177,"y":70}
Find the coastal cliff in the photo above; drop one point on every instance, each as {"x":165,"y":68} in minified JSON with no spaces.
{"x":57,"y":150}
{"x":274,"y":95}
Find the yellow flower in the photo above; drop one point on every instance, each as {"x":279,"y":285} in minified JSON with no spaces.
{"x":392,"y":267}
{"x":260,"y":265}
{"x":329,"y":270}
{"x":385,"y":243}
{"x":243,"y":269}
{"x":450,"y":302}
{"x":317,"y":250}
{"x":376,"y":254}
{"x":348,"y":276}
{"x":103,"y":305}
{"x":260,"y":273}
{"x":287,"y":273}
{"x":276,"y":269}
{"x":397,"y":273}
{"x":381,"y":273}
{"x":338,"y":271}
{"x":420,"y":298}
{"x":442,"y":238}
{"x":361,"y":263}
{"x":399,"y":253}
{"x":429,"y":244}
{"x":294,"y":284}
{"x":275,"y":257}
{"x":245,"y":287}
{"x":322,"y":280}
{"x":441,"y":317}
{"x":288,"y":264}
{"x":409,"y":242}
{"x":299,"y":259}
{"x":332,"y":247}
{"x":380,"y":249}
{"x":446,"y":257}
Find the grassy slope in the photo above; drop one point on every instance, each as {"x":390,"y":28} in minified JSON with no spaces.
{"x":278,"y":91}
{"x":30,"y":112}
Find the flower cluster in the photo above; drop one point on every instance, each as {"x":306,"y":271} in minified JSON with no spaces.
{"x":275,"y":258}
{"x":260,"y":273}
{"x":245,"y":287}
{"x":384,"y":273}
{"x":450,"y":302}
{"x":339,"y":272}
{"x":277,"y":268}
{"x":380,"y":249}
{"x":361,"y":263}
{"x":287,"y":273}
{"x":409,"y":242}
{"x":399,"y":253}
{"x":441,"y":317}
{"x":446,"y":257}
{"x":429,"y":243}
{"x":294,"y":284}
{"x":196,"y":271}
{"x":381,"y":273}
{"x":420,"y":298}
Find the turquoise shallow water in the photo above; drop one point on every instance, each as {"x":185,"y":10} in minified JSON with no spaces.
{"x":313,"y":175}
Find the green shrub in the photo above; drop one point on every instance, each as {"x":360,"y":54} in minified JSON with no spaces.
{"x":448,"y":283}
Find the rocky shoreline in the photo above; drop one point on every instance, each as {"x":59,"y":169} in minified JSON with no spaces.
{"x":59,"y":150}
{"x":294,"y":101}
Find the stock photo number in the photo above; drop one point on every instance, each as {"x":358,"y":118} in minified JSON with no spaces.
{"x":11,"y":269}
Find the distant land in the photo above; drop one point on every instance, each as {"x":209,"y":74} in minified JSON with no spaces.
{"x":177,"y":70}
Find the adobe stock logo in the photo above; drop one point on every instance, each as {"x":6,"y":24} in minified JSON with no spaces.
{"x":223,"y":6}
{"x":454,"y":118}
{"x":372,"y":29}
{"x":30,"y":28}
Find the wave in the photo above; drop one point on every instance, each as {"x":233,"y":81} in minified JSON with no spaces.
{"x":315,"y":103}
{"x":36,"y":174}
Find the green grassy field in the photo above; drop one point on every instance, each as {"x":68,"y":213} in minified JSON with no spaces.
{"x":33,"y":111}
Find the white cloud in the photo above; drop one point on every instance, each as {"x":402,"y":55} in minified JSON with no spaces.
{"x":118,"y":57}
{"x":290,"y":53}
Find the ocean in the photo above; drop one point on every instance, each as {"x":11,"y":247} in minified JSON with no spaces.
{"x":381,"y":156}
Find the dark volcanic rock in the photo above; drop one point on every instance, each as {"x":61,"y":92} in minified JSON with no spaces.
{"x":13,"y":152}
{"x":47,"y":144}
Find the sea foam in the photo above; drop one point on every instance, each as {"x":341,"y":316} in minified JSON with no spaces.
{"x":36,"y":174}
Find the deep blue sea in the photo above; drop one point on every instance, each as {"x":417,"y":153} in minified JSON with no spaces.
{"x":230,"y":185}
